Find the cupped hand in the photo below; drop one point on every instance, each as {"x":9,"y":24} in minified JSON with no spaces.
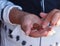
{"x":31,"y":25}
{"x":28,"y":22}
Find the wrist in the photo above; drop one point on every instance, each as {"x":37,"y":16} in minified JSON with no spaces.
{"x":17,"y":15}
{"x":6,"y":12}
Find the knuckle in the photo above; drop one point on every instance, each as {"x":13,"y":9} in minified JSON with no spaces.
{"x":55,"y":10}
{"x":58,"y":13}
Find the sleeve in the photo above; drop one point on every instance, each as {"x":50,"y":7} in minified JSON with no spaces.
{"x":5,"y":7}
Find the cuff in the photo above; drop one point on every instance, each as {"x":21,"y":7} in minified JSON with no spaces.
{"x":7,"y":11}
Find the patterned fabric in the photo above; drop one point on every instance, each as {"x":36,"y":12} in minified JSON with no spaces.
{"x":13,"y":35}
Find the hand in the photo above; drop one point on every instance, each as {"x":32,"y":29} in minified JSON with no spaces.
{"x":28,"y":22}
{"x":49,"y":29}
{"x":31,"y":25}
{"x":52,"y":18}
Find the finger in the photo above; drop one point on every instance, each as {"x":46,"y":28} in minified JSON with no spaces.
{"x":58,"y":23}
{"x":50,"y":33}
{"x":40,"y":32}
{"x":49,"y":18}
{"x":55,"y":19}
{"x":28,"y":29}
{"x":46,"y":31}
{"x":43,"y":15}
{"x":37,"y":34}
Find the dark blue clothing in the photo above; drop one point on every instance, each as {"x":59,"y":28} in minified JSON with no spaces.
{"x":34,"y":6}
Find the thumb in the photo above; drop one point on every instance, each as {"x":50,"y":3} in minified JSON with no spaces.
{"x":28,"y":30}
{"x":43,"y":15}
